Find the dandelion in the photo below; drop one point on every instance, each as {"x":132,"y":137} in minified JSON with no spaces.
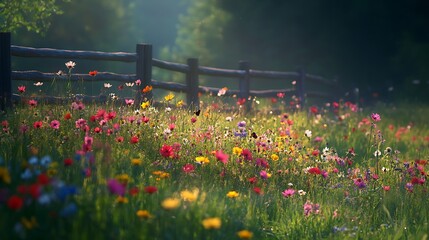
{"x":212,"y":223}
{"x":169,"y":97}
{"x":170,"y":203}
{"x":245,"y":234}
{"x":143,"y":214}
{"x":70,"y":64}
{"x":232,"y":194}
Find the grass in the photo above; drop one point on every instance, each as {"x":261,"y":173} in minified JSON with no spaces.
{"x":90,"y":181}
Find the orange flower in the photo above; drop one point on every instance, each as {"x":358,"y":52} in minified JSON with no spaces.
{"x":93,"y":73}
{"x":147,"y":89}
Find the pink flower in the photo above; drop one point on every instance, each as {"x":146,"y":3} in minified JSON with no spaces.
{"x":138,"y":82}
{"x":134,"y":139}
{"x":21,"y":89}
{"x":129,"y":102}
{"x":222,"y":157}
{"x":375,"y":117}
{"x":281,"y":95}
{"x":188,"y":168}
{"x":193,"y":120}
{"x":38,"y":124}
{"x":288,"y":192}
{"x":32,"y":102}
{"x":55,"y":124}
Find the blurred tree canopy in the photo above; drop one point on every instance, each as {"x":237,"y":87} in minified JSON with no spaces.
{"x":368,"y":44}
{"x":33,"y":15}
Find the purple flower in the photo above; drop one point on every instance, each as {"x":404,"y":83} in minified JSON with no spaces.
{"x":359,"y":183}
{"x":288,"y":192}
{"x":115,"y":187}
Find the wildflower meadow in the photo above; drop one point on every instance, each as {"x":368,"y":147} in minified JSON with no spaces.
{"x":158,"y":169}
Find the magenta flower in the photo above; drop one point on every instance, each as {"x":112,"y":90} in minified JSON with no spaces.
{"x":375,"y":117}
{"x":115,"y":187}
{"x":21,"y":89}
{"x":129,"y":102}
{"x":359,"y":183}
{"x":288,"y":192}
{"x":188,"y":168}
{"x":55,"y":124}
{"x":32,"y":103}
{"x":222,"y":157}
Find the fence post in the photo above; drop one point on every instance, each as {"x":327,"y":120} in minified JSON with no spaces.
{"x":300,"y":87}
{"x":244,"y":84}
{"x":144,"y":70}
{"x":192,"y":83}
{"x":5,"y":71}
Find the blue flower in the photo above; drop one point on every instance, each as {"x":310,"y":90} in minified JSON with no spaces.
{"x":68,"y":210}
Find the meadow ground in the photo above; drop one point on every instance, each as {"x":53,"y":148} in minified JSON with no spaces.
{"x":133,"y":171}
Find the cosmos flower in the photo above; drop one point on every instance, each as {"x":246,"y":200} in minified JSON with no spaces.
{"x":288,"y":192}
{"x":375,"y":117}
{"x":70,"y":64}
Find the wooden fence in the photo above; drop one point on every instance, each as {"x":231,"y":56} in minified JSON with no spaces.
{"x":143,"y":64}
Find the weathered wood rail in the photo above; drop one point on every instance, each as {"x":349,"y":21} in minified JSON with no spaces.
{"x":143,"y":64}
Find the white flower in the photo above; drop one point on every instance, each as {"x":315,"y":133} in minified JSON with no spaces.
{"x":308,"y":133}
{"x":70,"y":64}
{"x":222,"y":91}
{"x":167,"y":131}
{"x":290,"y":184}
{"x":168,"y":109}
{"x":377,"y":153}
{"x":107,"y":85}
{"x":325,"y":150}
{"x":38,"y":84}
{"x":229,"y":119}
{"x":302,"y":192}
{"x":129,"y":84}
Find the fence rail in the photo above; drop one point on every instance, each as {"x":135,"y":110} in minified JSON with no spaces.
{"x":144,"y":64}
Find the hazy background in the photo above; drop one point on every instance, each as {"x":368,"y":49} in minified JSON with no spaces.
{"x":380,"y":47}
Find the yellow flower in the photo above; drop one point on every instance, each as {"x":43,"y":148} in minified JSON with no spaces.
{"x":245,"y":234}
{"x":237,"y":150}
{"x":136,"y":162}
{"x":212,"y":223}
{"x":123,"y":178}
{"x":143,"y":214}
{"x":170,"y":203}
{"x":4,"y":175}
{"x":202,"y":160}
{"x":121,"y":199}
{"x":145,"y":105}
{"x":274,"y":157}
{"x":179,"y":103}
{"x":189,"y":196}
{"x":169,"y":97}
{"x":29,"y":223}
{"x":232,"y":194}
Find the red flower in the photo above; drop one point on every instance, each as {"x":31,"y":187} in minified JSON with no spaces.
{"x":134,"y":191}
{"x":253,"y":180}
{"x":34,"y":190}
{"x":247,"y":154}
{"x":241,"y":101}
{"x":315,"y":152}
{"x":134,"y":139}
{"x":120,"y":139}
{"x":314,"y":170}
{"x":257,"y":190}
{"x":93,"y":73}
{"x":38,"y":124}
{"x":150,"y":189}
{"x":166,"y":151}
{"x":15,"y":202}
{"x":68,"y":162}
{"x":314,"y":110}
{"x":43,"y":179}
